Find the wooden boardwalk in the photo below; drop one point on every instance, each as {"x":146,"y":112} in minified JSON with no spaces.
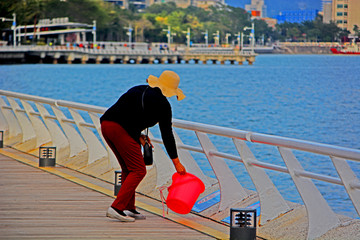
{"x":45,"y":204}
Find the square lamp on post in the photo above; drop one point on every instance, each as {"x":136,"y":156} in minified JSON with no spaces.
{"x":242,"y":224}
{"x":117,"y":184}
{"x":47,"y":156}
{"x":1,"y":139}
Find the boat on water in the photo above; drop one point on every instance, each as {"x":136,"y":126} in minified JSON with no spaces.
{"x":352,"y":49}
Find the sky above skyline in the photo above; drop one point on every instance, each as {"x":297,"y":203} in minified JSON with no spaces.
{"x":275,"y":6}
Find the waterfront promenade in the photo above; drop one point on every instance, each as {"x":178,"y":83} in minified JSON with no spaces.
{"x":59,"y":203}
{"x":69,"y":55}
{"x":83,"y":159}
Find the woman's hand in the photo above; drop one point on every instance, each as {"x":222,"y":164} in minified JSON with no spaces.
{"x":178,"y":166}
{"x":143,"y":139}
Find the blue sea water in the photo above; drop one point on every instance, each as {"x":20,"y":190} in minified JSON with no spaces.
{"x":309,"y":97}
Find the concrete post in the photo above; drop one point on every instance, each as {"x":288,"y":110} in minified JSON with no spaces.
{"x":99,"y":59}
{"x":112,"y":59}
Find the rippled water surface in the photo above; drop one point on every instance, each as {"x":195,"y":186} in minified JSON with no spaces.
{"x":310,"y":97}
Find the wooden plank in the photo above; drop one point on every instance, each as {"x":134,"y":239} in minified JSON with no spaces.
{"x":37,"y":205}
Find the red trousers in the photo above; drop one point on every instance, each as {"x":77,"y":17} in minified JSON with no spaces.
{"x":128,"y":153}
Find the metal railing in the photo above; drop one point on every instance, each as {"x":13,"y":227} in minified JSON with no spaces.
{"x":119,"y":51}
{"x":29,"y":122}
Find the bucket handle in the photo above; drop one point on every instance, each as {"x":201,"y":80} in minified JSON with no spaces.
{"x":163,"y":199}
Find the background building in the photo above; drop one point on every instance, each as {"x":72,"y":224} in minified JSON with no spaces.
{"x":57,"y":31}
{"x":121,"y":3}
{"x":257,"y":8}
{"x":346,"y":14}
{"x":296,"y":16}
{"x":327,"y":10}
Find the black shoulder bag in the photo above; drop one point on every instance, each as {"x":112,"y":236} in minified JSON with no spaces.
{"x":148,"y":153}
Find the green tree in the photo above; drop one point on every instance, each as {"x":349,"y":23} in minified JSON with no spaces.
{"x":149,"y":24}
{"x":356,"y":31}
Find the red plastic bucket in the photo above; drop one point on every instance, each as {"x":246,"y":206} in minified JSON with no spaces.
{"x":183,"y":192}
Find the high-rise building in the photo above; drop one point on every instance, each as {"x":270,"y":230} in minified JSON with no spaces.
{"x":346,"y":14}
{"x":257,"y":8}
{"x":296,"y":16}
{"x":327,"y":10}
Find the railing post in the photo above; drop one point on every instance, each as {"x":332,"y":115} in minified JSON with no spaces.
{"x":42,"y":134}
{"x":28,"y":141}
{"x":58,"y":138}
{"x":13,"y":133}
{"x":230,"y":189}
{"x":112,"y":159}
{"x":271,"y":202}
{"x":97,"y":153}
{"x":78,"y":155}
{"x":349,"y":179}
{"x":190,"y":164}
{"x":321,"y":217}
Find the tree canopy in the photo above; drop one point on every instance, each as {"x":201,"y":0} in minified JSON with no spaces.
{"x":149,"y":25}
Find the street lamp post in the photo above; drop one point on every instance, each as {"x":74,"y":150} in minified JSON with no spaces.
{"x":252,"y":36}
{"x":206,"y":36}
{"x":94,"y":33}
{"x":187,"y":37}
{"x":238,"y":37}
{"x":129,"y":33}
{"x":13,"y":27}
{"x":217,"y":38}
{"x":227,"y":38}
{"x":168,"y":35}
{"x":242,"y":42}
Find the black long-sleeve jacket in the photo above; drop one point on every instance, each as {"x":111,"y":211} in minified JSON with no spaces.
{"x":134,"y":118}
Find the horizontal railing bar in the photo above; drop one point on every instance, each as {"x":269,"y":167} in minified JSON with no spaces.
{"x":7,"y":107}
{"x":318,"y":177}
{"x":183,"y":146}
{"x":28,"y":97}
{"x":84,"y":124}
{"x":50,"y":116}
{"x":68,"y":120}
{"x":226,"y":155}
{"x":269,"y":166}
{"x":191,"y":148}
{"x":354,"y":185}
{"x":35,"y":113}
{"x":255,"y":163}
{"x":20,"y":110}
{"x":80,"y":106}
{"x":308,"y":146}
{"x":156,"y":140}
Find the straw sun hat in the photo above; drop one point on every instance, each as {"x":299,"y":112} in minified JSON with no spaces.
{"x":168,"y":82}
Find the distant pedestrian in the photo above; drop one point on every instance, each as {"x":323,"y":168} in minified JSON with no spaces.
{"x":121,"y":126}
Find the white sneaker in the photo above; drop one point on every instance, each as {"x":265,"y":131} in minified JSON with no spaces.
{"x":111,"y":213}
{"x":134,"y":215}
